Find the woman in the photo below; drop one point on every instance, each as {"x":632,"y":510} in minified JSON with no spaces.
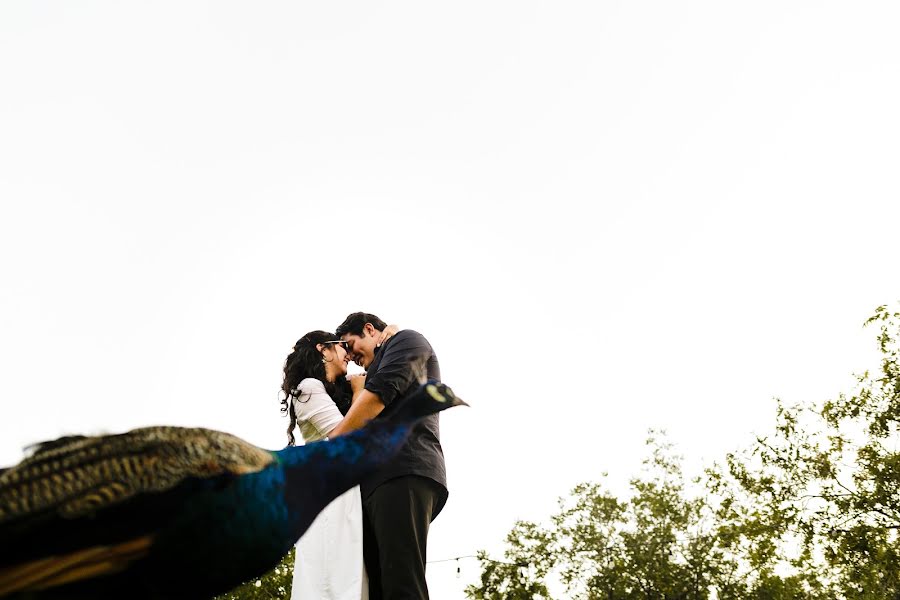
{"x":317,"y":393}
{"x":329,"y":559}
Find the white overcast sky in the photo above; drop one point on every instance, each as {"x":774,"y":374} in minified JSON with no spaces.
{"x":606,"y":216}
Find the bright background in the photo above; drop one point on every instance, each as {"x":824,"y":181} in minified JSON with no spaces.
{"x":605,"y":216}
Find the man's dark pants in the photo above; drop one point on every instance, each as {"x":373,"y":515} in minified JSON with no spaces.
{"x":396,"y":516}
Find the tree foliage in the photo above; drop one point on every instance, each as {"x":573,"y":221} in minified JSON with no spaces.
{"x":276,"y":584}
{"x":657,"y":544}
{"x":810,"y":511}
{"x":822,"y":493}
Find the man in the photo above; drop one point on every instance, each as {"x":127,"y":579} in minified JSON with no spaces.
{"x":401,"y":500}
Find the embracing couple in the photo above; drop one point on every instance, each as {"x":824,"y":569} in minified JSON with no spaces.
{"x":369,"y":543}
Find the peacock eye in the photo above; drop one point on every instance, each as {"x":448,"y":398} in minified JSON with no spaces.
{"x":434,"y":393}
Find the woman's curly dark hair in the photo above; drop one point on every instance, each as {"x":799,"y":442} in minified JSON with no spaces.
{"x":303,"y":362}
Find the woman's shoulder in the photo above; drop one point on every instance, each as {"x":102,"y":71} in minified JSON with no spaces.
{"x":310,"y":385}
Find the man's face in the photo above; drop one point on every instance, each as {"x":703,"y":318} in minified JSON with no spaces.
{"x":362,"y":347}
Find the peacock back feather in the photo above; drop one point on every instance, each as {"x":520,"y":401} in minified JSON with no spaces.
{"x":170,"y":512}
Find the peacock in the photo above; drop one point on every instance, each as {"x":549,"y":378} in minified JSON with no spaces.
{"x":175,"y":512}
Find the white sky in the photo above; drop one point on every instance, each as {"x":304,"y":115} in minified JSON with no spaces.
{"x":606,"y":216}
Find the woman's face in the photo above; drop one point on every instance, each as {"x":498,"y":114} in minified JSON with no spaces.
{"x":335,"y":360}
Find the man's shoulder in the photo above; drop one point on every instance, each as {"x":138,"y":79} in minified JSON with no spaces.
{"x":401,"y":347}
{"x":408,"y":338}
{"x":405,"y":334}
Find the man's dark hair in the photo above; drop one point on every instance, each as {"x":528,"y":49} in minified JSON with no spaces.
{"x":355,"y":322}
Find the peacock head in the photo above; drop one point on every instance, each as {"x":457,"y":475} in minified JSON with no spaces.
{"x":431,"y":397}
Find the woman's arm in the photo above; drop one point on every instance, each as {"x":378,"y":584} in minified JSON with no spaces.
{"x":315,"y":406}
{"x":387,"y":333}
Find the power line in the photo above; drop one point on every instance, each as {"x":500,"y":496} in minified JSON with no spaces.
{"x":454,"y":558}
{"x":485,"y":558}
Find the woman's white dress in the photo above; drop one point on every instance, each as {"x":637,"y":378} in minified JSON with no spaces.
{"x":329,"y":563}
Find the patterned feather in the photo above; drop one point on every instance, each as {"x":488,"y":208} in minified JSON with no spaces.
{"x":171,"y":512}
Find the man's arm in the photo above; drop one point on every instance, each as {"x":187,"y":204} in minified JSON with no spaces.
{"x":402,"y":359}
{"x":394,"y":376}
{"x":366,"y":406}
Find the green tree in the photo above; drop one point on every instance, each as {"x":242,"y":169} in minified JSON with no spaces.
{"x":521,"y":576}
{"x":656,"y":545}
{"x":821,"y":495}
{"x":276,"y":584}
{"x":810,"y":512}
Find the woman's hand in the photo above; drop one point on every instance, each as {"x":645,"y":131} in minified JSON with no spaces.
{"x":387,"y":333}
{"x":357,"y":382}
